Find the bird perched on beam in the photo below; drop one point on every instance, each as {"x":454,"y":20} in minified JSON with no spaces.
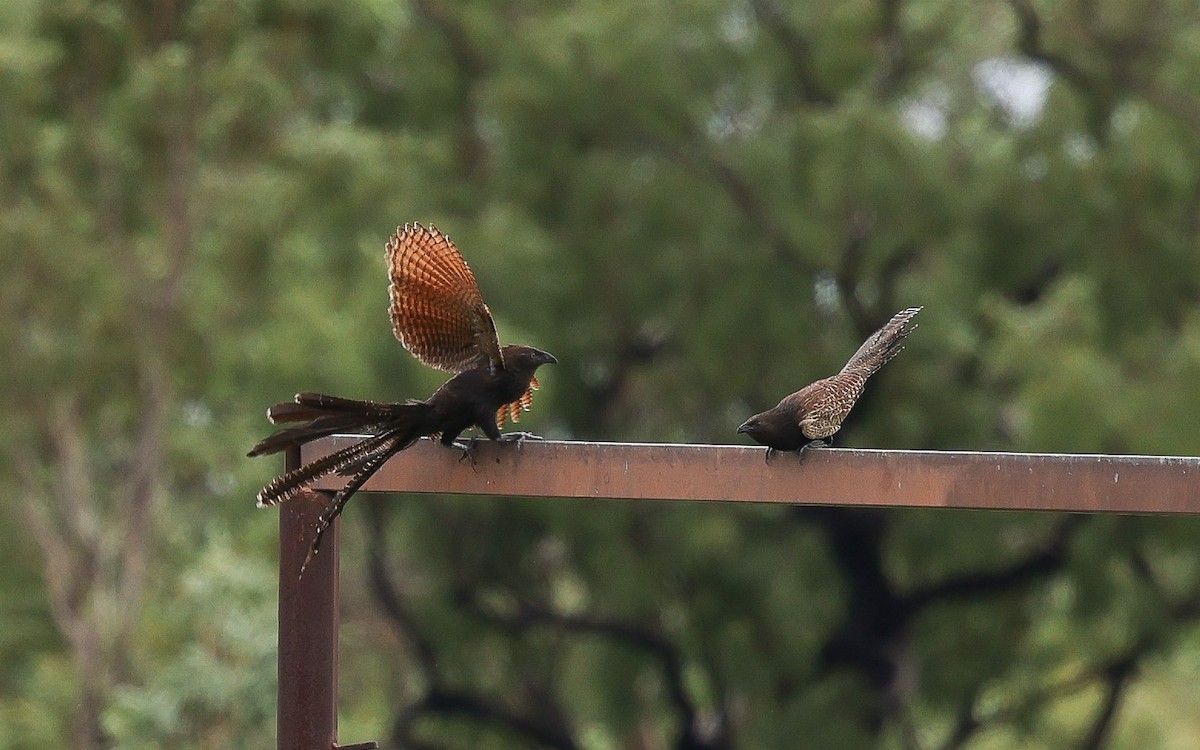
{"x":809,"y":417}
{"x":438,"y":314}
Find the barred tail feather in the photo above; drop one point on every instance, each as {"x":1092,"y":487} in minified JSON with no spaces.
{"x":366,"y":469}
{"x":403,"y":425}
{"x":283,"y":487}
{"x":884,"y":344}
{"x":351,"y":468}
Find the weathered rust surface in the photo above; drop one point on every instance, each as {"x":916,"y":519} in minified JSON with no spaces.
{"x":834,"y":476}
{"x":308,"y":617}
{"x":308,"y":626}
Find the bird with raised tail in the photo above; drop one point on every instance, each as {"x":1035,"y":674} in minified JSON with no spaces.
{"x":809,"y":417}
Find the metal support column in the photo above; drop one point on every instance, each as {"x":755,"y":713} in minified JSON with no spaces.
{"x":308,"y":625}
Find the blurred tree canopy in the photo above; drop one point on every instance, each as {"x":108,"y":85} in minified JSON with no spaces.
{"x":698,"y":207}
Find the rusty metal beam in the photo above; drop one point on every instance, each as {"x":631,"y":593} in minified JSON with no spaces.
{"x":308,"y":617}
{"x":728,"y":473}
{"x":308,"y":626}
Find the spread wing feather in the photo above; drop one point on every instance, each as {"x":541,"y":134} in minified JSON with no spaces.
{"x":437,"y":311}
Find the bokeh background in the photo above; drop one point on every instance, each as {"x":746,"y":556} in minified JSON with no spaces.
{"x":698,"y":207}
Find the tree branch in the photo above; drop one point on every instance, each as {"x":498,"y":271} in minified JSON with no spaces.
{"x":1045,"y":560}
{"x":1031,"y":44}
{"x":798,"y":50}
{"x":384,"y":589}
{"x":869,"y":638}
{"x":528,"y":614}
{"x":438,"y":698}
{"x":472,"y":149}
{"x":441,"y":700}
{"x":893,"y":49}
{"x":1117,"y":677}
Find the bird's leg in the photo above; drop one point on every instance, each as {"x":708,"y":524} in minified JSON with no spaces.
{"x":767,"y":457}
{"x":467,"y":448}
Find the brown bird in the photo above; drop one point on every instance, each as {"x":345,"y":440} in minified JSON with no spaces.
{"x":439,"y":315}
{"x":809,"y":417}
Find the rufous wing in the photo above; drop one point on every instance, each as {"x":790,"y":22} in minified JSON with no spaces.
{"x":437,"y":311}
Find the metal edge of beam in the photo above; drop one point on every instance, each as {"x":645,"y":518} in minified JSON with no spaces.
{"x":830,"y":476}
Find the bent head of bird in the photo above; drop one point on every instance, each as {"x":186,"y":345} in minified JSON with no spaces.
{"x":750,"y":426}
{"x":776,"y":428}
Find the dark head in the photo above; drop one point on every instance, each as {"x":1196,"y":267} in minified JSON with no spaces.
{"x":519,"y":358}
{"x":776,"y":428}
{"x":750,"y":426}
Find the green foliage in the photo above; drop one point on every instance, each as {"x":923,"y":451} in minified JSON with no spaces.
{"x":216,"y":684}
{"x":698,"y":207}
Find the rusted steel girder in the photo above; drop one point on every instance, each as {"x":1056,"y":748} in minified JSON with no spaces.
{"x":308,"y":617}
{"x":308,"y":626}
{"x":825,"y":476}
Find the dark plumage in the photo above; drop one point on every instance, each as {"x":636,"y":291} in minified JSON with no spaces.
{"x":806,"y":418}
{"x":439,"y":316}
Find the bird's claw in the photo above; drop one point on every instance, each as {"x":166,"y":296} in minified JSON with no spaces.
{"x":466,"y":446}
{"x":519,"y":438}
{"x":468,"y":450}
{"x":814,"y":444}
{"x":799,"y":452}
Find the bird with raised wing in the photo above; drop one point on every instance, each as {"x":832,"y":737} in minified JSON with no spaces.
{"x":438,"y":314}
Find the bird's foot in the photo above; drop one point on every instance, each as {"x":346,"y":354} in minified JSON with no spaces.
{"x":767,"y":458}
{"x":467,"y":447}
{"x":519,"y":438}
{"x":468,"y":450}
{"x":814,"y":444}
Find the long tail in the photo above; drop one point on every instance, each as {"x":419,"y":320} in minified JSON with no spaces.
{"x":285,"y":486}
{"x":365,"y":469}
{"x":392,"y":424}
{"x":884,"y":344}
{"x":326,"y":415}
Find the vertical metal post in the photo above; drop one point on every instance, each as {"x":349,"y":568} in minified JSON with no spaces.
{"x":308,"y":625}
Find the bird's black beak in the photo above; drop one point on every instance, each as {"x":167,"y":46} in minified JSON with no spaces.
{"x":546,"y":358}
{"x":744,"y":427}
